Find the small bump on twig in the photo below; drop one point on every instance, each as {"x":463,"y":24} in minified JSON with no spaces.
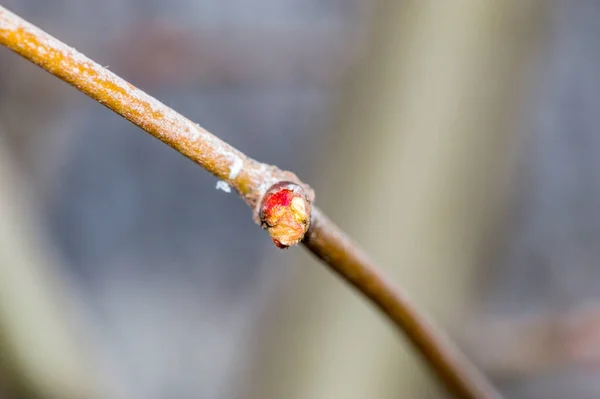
{"x":285,"y":213}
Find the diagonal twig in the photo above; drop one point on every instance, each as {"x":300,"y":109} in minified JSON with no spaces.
{"x":251,"y":180}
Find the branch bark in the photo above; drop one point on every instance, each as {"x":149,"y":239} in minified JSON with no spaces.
{"x":251,"y":180}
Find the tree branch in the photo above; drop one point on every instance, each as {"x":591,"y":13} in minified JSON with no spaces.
{"x":251,"y":179}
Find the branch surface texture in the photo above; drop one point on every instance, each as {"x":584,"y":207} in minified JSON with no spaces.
{"x":281,"y":202}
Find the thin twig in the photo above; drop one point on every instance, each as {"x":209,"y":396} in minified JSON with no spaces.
{"x":251,"y":179}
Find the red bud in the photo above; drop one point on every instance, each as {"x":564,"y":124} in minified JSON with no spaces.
{"x":285,"y":213}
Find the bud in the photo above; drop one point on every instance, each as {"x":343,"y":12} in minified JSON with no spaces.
{"x":285,"y":213}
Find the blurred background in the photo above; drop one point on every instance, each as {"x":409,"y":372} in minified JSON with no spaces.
{"x":456,"y":141}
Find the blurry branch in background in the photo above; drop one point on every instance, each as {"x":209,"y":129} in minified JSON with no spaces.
{"x":529,"y":345}
{"x":251,"y":180}
{"x":39,"y":348}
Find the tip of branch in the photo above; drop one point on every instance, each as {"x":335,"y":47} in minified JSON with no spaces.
{"x":285,"y":213}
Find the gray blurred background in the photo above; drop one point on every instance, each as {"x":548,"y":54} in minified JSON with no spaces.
{"x":456,"y":141}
